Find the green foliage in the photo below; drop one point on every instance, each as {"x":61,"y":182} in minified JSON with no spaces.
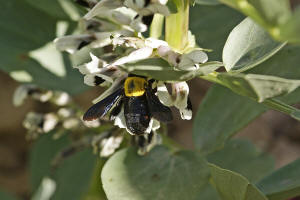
{"x":221,"y":115}
{"x":211,"y":25}
{"x":248,"y":45}
{"x":242,"y":157}
{"x":233,"y":186}
{"x":275,"y":16}
{"x":284,"y":183}
{"x":32,"y":29}
{"x":70,"y":180}
{"x":126,"y":175}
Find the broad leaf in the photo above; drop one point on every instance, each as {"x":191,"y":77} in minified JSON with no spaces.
{"x":160,"y":69}
{"x":72,"y":176}
{"x":41,"y":156}
{"x":256,"y":86}
{"x":159,"y":175}
{"x":284,"y":183}
{"x":233,"y":186}
{"x":221,"y":114}
{"x":242,"y":157}
{"x":223,"y":108}
{"x":20,"y":37}
{"x":211,"y":26}
{"x":51,"y":7}
{"x":275,"y":16}
{"x":248,"y":45}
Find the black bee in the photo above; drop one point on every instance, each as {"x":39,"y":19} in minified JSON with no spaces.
{"x":140,"y":105}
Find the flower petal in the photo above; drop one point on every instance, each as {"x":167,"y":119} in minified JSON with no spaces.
{"x":123,"y":15}
{"x":181,"y":91}
{"x":21,"y":94}
{"x":164,"y":95}
{"x":109,"y":145}
{"x":191,"y":60}
{"x":120,"y":120}
{"x":138,"y":25}
{"x":102,"y":7}
{"x":116,"y":84}
{"x":137,"y":55}
{"x":94,"y":66}
{"x":72,"y":43}
{"x":155,"y":125}
{"x":96,"y":79}
{"x":155,"y":43}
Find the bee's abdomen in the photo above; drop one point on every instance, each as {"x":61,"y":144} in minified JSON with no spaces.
{"x":137,"y":115}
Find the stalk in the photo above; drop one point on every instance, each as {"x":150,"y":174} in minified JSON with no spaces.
{"x":177,"y":26}
{"x":157,"y":26}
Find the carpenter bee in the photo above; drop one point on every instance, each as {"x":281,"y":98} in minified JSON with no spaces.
{"x":137,"y":97}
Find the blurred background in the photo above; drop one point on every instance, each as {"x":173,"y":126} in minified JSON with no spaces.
{"x":28,"y":26}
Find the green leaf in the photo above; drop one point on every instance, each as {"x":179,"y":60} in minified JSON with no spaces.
{"x":284,"y":183}
{"x":275,"y":16}
{"x":160,"y":69}
{"x":41,"y":156}
{"x":256,"y":86}
{"x":290,"y":30}
{"x":73,"y":177}
{"x":159,"y":175}
{"x":221,"y":114}
{"x":44,"y":66}
{"x":51,"y":7}
{"x":211,"y":26}
{"x":233,"y":186}
{"x":207,"y":2}
{"x":248,"y":45}
{"x":233,"y":112}
{"x":6,"y":196}
{"x":242,"y":157}
{"x":208,"y":193}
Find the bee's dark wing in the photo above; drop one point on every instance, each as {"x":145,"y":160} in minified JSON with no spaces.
{"x":157,"y":109}
{"x":102,"y":107}
{"x":116,"y":109}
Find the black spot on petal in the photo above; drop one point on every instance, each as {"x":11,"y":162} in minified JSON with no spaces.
{"x":83,"y":44}
{"x":98,"y":80}
{"x":147,"y":19}
{"x":189,"y":104}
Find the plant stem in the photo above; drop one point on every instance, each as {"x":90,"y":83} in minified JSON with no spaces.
{"x":157,"y":26}
{"x":177,"y":26}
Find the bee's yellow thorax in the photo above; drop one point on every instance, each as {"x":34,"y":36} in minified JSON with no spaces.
{"x":134,"y":86}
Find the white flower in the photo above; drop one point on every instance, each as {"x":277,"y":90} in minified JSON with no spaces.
{"x":102,"y":7}
{"x":97,"y":72}
{"x":109,"y":145}
{"x":61,"y":98}
{"x":72,"y":43}
{"x":178,"y":97}
{"x":40,"y":123}
{"x":24,"y":91}
{"x":21,"y":93}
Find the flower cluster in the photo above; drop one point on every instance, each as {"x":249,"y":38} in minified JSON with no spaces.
{"x":116,"y":27}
